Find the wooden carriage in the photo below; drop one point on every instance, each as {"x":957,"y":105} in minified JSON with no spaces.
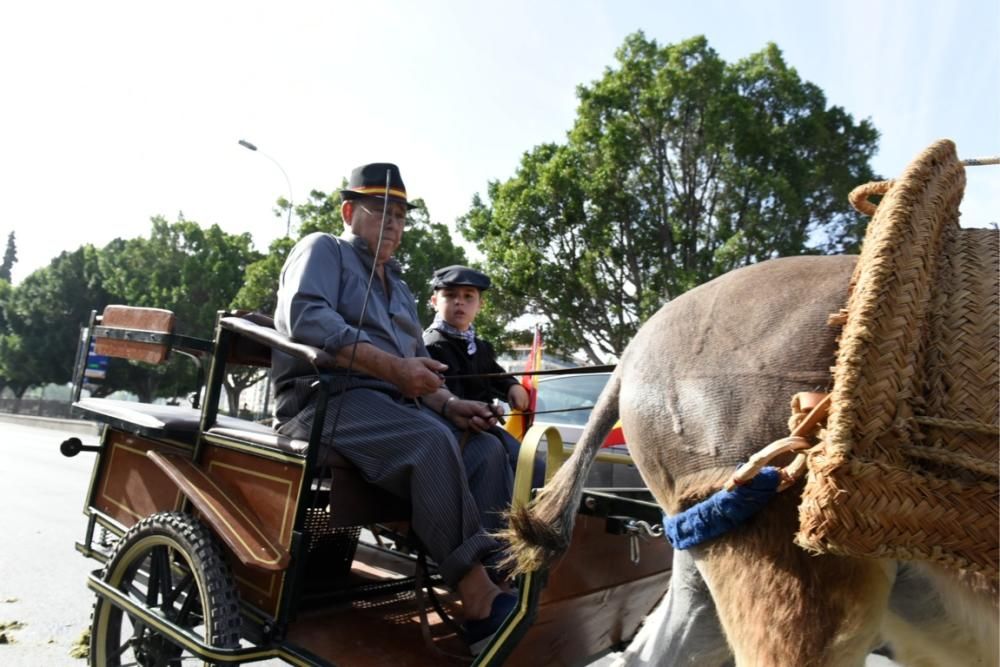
{"x":226,"y":542}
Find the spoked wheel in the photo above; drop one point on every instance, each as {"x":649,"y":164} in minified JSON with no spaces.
{"x":170,"y":563}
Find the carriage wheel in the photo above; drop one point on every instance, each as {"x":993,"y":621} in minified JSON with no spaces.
{"x":169,"y":562}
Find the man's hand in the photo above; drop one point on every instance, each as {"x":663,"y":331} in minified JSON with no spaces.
{"x":414,"y":376}
{"x":517,"y":396}
{"x":470,"y":415}
{"x":418,"y":376}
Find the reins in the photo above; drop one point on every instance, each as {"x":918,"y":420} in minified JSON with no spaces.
{"x":579,"y":370}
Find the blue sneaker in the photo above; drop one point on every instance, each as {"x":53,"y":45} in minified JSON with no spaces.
{"x":479,"y":632}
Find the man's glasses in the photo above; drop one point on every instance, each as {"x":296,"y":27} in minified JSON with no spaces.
{"x":393,"y":214}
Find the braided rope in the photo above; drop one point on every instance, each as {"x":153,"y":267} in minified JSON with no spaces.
{"x":950,"y":458}
{"x":959,"y":425}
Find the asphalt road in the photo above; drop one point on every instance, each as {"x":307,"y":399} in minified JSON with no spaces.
{"x":42,"y":576}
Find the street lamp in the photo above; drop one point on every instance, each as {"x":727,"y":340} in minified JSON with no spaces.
{"x":249,"y":146}
{"x":288,"y":231}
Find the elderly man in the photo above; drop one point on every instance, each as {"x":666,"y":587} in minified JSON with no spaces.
{"x":390,"y":413}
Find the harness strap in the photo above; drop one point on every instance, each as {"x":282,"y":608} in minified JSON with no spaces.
{"x":721,"y":512}
{"x":754,"y":483}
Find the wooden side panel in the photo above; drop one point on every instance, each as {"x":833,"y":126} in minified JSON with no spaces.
{"x":596,"y":596}
{"x":270,"y":489}
{"x":231,"y":520}
{"x":129,"y":486}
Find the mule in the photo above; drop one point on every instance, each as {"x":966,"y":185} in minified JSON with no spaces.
{"x":705,"y":383}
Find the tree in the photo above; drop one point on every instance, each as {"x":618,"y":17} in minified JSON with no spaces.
{"x":9,"y":258}
{"x":43,"y":316}
{"x":182,"y":267}
{"x":679,"y":167}
{"x":259,"y":292}
{"x":260,"y":283}
{"x":426,"y":246}
{"x":6,"y":357}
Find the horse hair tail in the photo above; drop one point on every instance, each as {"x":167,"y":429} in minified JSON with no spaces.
{"x":540,"y":532}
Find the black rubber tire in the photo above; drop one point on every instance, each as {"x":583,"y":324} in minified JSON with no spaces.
{"x":204,"y":599}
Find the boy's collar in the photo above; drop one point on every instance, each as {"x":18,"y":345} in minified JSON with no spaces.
{"x":469,"y":335}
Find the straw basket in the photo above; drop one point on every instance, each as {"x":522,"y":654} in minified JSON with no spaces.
{"x":907,"y":466}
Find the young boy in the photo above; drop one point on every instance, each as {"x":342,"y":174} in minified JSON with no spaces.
{"x":451,"y":339}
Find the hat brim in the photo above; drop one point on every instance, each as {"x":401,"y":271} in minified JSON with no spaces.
{"x":440,"y":286}
{"x":353,"y":194}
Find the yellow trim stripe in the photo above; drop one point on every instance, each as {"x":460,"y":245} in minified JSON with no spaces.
{"x":121,"y":504}
{"x":257,"y":450}
{"x":527,"y":582}
{"x":274,"y":478}
{"x":378,"y":190}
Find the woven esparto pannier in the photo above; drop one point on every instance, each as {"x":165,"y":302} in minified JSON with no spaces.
{"x":907,"y":466}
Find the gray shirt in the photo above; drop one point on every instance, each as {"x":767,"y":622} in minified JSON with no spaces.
{"x":320,"y":298}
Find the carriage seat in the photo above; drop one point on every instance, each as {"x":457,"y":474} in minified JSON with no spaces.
{"x":176,"y":422}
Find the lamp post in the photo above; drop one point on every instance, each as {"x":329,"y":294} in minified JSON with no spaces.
{"x":249,"y":146}
{"x":288,"y":231}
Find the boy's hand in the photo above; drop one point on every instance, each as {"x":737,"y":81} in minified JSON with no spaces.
{"x":517,"y":396}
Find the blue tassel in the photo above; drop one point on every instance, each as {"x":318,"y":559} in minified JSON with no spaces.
{"x":722,"y":512}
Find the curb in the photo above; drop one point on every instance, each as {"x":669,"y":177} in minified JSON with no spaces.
{"x":75,"y":425}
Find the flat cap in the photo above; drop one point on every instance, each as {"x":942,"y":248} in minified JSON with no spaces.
{"x":456,"y":275}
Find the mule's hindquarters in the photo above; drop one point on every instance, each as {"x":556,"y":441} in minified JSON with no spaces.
{"x":780,"y":605}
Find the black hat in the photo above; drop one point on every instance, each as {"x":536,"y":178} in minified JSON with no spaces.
{"x":454,"y":276}
{"x":368,"y":180}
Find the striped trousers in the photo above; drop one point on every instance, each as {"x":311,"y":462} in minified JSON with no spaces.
{"x":457,"y":494}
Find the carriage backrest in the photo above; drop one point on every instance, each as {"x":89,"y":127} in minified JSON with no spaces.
{"x":246,"y":351}
{"x":255,"y":336}
{"x":127,"y":332}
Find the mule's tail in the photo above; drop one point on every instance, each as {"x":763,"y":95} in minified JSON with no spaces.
{"x":541,"y":531}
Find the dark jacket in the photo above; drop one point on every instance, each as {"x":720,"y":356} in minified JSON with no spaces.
{"x":451,"y":350}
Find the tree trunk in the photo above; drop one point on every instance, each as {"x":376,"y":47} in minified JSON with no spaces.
{"x":233,"y":397}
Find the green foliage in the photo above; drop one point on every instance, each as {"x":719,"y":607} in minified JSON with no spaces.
{"x":43,"y":316}
{"x":15,"y":364}
{"x":260,"y":284}
{"x":426,"y":246}
{"x":321,"y":213}
{"x":9,"y":258}
{"x":182,"y":267}
{"x":679,"y":167}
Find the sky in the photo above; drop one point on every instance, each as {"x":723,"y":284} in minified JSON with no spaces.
{"x":113,"y":112}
